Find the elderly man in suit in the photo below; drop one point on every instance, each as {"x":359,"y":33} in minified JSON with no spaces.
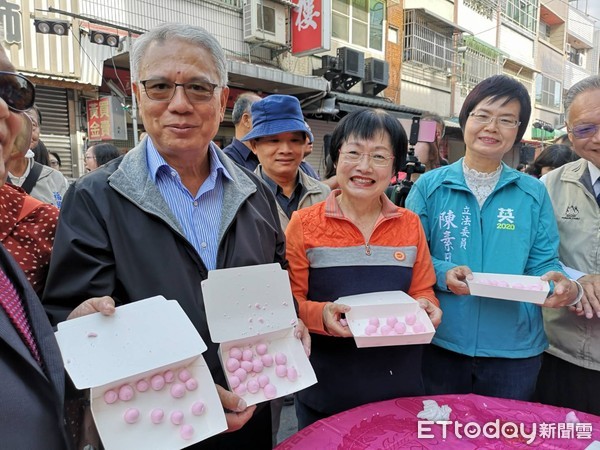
{"x":31,"y":370}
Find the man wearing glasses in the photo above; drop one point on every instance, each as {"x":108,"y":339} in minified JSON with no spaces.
{"x":571,"y":369}
{"x":157,"y":220}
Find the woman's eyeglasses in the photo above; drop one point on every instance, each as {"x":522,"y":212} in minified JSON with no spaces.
{"x":377,"y":159}
{"x":17,"y":91}
{"x":504,"y":122}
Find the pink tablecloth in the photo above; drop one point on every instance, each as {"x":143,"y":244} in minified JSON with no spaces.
{"x":393,"y":424}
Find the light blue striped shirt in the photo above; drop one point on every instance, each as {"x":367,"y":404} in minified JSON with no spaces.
{"x":199,"y":215}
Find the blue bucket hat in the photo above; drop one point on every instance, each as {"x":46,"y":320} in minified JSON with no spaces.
{"x":277,"y":114}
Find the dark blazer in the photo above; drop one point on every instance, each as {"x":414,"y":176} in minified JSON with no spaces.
{"x":31,"y":399}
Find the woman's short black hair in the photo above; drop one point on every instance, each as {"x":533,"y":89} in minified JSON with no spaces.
{"x":56,"y":155}
{"x":555,"y":156}
{"x":495,"y":88}
{"x":367,"y":124}
{"x":105,"y":153}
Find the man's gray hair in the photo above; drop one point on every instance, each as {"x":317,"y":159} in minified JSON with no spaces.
{"x":183,"y":32}
{"x":587,"y":84}
{"x":242,"y":105}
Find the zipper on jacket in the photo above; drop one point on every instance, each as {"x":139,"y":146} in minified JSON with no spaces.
{"x":367,"y":249}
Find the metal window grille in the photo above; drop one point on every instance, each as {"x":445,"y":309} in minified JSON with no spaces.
{"x":424,"y":46}
{"x":479,"y":62}
{"x":522,"y":13}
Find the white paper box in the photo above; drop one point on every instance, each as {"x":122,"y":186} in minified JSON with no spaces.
{"x":382,"y":305}
{"x":246,"y":306}
{"x":509,"y":293}
{"x":141,"y":339}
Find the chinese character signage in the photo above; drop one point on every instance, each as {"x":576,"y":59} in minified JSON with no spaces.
{"x":311,"y":27}
{"x":11,"y":19}
{"x":106,"y":120}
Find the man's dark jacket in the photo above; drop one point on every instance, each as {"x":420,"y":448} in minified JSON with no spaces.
{"x":117,"y":236}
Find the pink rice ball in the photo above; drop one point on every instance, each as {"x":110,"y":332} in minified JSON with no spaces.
{"x":241,"y":374}
{"x":177,"y":417}
{"x":198,"y":408}
{"x":252,"y":386}
{"x":263,"y":380}
{"x":247,"y":355}
{"x":142,"y":386}
{"x":280,"y":358}
{"x":418,"y":327}
{"x":132,"y":415}
{"x":235,"y":352}
{"x":187,"y":432}
{"x":374,"y":321}
{"x":247,"y":366}
{"x":257,"y":365}
{"x":157,"y":415}
{"x":232,"y":364}
{"x":270,"y":391}
{"x":267,"y":360}
{"x":184,"y":375}
{"x":191,"y":384}
{"x":391,"y":321}
{"x":292,"y":374}
{"x":386,"y":330}
{"x":241,"y":390}
{"x":281,"y":371}
{"x":177,"y":390}
{"x":169,"y":376}
{"x":370,"y":330}
{"x":110,"y":397}
{"x":400,"y":328}
{"x":157,"y":382}
{"x":410,"y":319}
{"x":261,"y":349}
{"x":125,"y":393}
{"x":234,"y":381}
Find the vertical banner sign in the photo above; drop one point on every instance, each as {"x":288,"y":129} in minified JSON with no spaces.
{"x":106,"y":120}
{"x":311,"y":27}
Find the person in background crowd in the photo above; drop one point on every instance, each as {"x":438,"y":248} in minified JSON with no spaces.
{"x":429,"y":152}
{"x":570,"y":372}
{"x":157,"y":220}
{"x":40,"y":181}
{"x":241,"y":117}
{"x":521,"y":167}
{"x":40,"y":153}
{"x":239,"y":151}
{"x":279,"y":138}
{"x":31,"y":368}
{"x":552,"y":157}
{"x":99,"y":154}
{"x":55,"y":161}
{"x":357,"y":242}
{"x":480,"y":215}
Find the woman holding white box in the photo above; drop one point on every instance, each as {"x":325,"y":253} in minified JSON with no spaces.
{"x":480,"y":215}
{"x":357,"y":242}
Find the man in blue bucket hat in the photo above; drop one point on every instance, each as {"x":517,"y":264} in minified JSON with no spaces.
{"x":279,"y":138}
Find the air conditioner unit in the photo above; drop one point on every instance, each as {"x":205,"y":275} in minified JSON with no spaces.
{"x":351,"y":62}
{"x":264,"y":23}
{"x":580,"y":59}
{"x":376,"y":71}
{"x":567,"y":48}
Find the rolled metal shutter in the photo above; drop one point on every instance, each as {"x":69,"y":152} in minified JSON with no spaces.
{"x":56,"y":134}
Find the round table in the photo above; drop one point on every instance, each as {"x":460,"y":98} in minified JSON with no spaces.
{"x":476,"y":422}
